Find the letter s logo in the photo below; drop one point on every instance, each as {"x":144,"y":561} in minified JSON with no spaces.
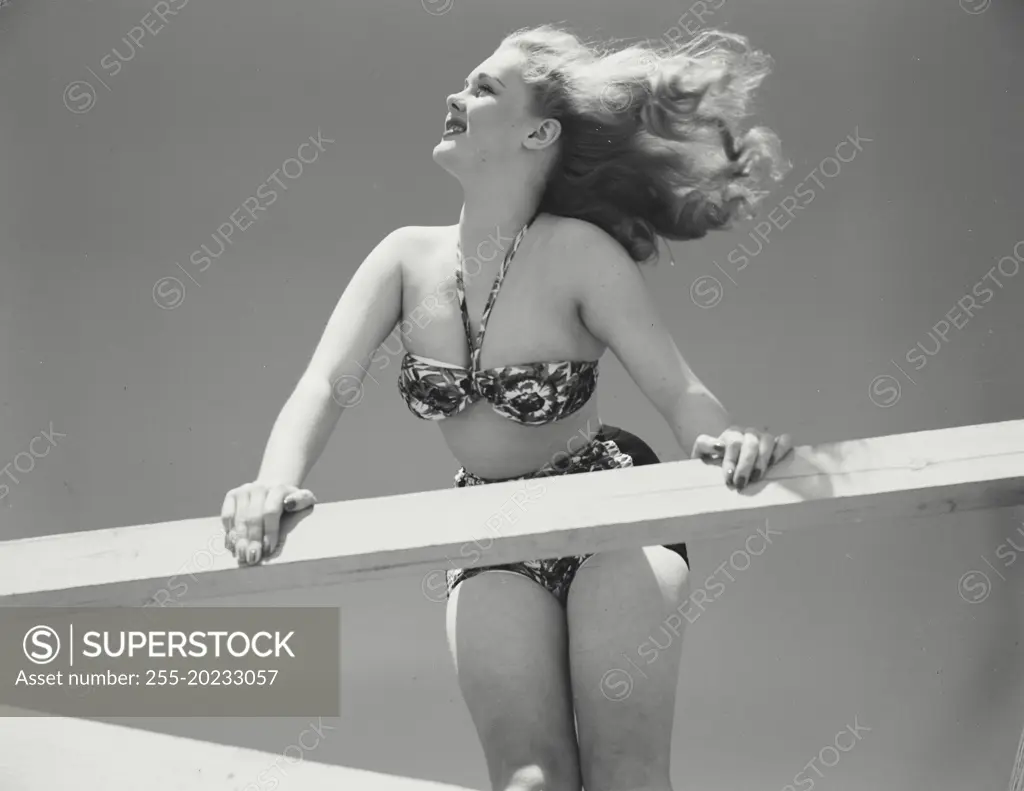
{"x":41,"y":645}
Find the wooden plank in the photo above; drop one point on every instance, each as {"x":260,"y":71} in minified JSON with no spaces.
{"x":923,"y":474}
{"x":58,"y":752}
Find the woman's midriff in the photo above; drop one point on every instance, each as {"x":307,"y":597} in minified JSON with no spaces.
{"x":493,"y":447}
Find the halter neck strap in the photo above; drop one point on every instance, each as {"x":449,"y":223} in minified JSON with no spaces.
{"x":476,"y":348}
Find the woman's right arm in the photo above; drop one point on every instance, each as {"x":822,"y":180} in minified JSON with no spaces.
{"x":366,"y":313}
{"x":364,"y":316}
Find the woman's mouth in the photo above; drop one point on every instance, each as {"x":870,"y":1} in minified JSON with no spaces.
{"x":454,"y":127}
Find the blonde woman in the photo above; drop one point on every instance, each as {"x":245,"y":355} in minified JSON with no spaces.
{"x":573,"y":160}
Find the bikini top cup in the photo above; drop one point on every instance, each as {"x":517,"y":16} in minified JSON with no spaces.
{"x":532,"y":394}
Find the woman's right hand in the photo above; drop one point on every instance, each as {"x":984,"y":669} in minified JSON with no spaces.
{"x":251,"y":516}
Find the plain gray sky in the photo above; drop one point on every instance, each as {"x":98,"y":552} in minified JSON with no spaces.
{"x":165,"y":409}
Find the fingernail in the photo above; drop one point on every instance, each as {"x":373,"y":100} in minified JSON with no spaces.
{"x":252,"y":554}
{"x":741,"y":482}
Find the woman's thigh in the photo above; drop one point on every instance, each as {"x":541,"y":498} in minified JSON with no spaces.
{"x":507,"y":636}
{"x":625,"y":641}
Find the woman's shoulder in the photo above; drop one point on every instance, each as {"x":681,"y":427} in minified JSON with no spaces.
{"x":417,"y":240}
{"x":582,"y":241}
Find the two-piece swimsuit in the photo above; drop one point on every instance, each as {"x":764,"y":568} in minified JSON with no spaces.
{"x":531,"y":394}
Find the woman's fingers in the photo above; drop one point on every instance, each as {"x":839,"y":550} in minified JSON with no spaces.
{"x":252,"y":526}
{"x":273,"y":506}
{"x":237,"y":539}
{"x":707,"y":448}
{"x":227,"y":511}
{"x":746,"y":453}
{"x":749,"y":446}
{"x":783,"y":445}
{"x":733,"y":440}
{"x":227,"y":519}
{"x":280,"y":499}
{"x":299,"y":500}
{"x":251,"y":518}
{"x":765,"y":448}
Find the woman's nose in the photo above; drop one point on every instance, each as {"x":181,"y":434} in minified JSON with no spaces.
{"x":455,"y":103}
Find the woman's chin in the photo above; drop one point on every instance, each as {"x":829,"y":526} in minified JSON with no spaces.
{"x":444,"y":154}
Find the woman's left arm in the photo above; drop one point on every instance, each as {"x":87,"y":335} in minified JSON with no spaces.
{"x":617,"y":308}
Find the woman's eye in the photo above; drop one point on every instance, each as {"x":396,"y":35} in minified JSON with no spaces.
{"x":484,"y":88}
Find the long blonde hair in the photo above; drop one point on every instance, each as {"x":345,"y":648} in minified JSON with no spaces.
{"x":650,"y":144}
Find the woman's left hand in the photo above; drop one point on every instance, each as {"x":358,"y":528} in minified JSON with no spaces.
{"x":746,"y":453}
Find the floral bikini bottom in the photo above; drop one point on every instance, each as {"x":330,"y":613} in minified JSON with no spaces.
{"x":613,"y":448}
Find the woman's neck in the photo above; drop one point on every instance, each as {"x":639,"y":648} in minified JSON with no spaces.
{"x":495,"y":212}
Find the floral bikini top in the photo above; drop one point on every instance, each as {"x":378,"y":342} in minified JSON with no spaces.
{"x":532,"y":394}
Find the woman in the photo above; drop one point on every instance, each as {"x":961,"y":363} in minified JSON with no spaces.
{"x":572,"y":162}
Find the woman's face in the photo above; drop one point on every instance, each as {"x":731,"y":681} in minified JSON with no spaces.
{"x":490,"y":120}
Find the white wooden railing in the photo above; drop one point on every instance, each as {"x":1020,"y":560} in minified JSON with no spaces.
{"x":881,"y":479}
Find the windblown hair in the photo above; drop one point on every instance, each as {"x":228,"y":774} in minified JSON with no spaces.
{"x":650,"y":143}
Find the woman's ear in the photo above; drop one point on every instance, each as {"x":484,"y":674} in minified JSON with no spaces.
{"x":544,"y":135}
